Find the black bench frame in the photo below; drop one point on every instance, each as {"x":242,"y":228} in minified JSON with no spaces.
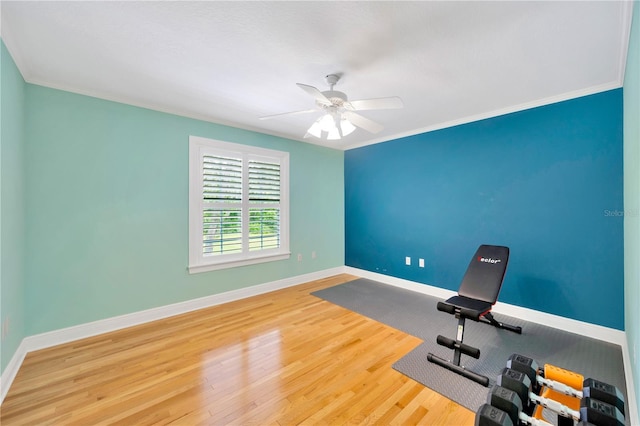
{"x":477,"y":294}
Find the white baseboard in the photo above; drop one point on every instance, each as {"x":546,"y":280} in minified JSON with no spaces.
{"x":402,"y":283}
{"x":633,"y":415}
{"x":69,"y":334}
{"x":11,"y":370}
{"x":566,"y":324}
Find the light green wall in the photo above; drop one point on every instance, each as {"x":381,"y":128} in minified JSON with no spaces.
{"x":12,"y":88}
{"x":632,"y":198}
{"x":107,"y":210}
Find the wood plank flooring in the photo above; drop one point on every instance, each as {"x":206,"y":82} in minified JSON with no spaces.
{"x":282,"y":358}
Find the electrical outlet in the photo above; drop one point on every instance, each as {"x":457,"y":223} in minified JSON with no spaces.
{"x":313,"y":254}
{"x":407,"y":261}
{"x":421,"y":263}
{"x":299,"y":257}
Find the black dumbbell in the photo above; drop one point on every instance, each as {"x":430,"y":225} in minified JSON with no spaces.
{"x":599,"y":413}
{"x":604,"y":392}
{"x":509,"y":410}
{"x":590,"y":387}
{"x":492,"y":416}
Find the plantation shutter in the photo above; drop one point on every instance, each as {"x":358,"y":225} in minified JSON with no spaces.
{"x":264,"y":182}
{"x":222,"y":208}
{"x":222,"y":179}
{"x":264,"y":198}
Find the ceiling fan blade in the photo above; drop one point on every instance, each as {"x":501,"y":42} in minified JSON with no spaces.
{"x":267,"y":117}
{"x":393,"y":102}
{"x":315,"y":93}
{"x":362,"y":122}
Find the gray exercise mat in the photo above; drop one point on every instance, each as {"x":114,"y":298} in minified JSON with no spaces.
{"x":416,"y":314}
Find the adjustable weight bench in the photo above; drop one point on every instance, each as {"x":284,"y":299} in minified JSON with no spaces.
{"x":477,"y":294}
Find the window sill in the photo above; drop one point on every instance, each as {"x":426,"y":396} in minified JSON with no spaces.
{"x":195,"y":269}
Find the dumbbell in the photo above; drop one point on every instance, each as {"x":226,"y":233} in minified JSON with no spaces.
{"x":503,"y":408}
{"x":595,"y":412}
{"x":588,"y":388}
{"x":521,"y":384}
{"x":591,"y":411}
{"x":488,"y":415}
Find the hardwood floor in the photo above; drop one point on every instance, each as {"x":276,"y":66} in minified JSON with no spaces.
{"x":281,"y":358}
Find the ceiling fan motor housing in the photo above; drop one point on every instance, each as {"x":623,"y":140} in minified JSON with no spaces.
{"x":337,"y":98}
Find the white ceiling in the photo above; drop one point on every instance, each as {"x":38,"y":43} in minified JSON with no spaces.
{"x":231,"y":62}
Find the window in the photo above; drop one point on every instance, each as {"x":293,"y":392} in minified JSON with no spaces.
{"x":238,"y":205}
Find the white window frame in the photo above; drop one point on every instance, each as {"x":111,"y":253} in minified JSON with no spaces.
{"x":198,"y":261}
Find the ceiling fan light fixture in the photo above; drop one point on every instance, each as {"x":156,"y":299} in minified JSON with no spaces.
{"x":335,"y":128}
{"x":315,"y":129}
{"x":334,"y":134}
{"x":327,"y":123}
{"x":346,"y":127}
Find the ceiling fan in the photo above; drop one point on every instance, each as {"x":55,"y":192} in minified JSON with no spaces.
{"x":339,"y":118}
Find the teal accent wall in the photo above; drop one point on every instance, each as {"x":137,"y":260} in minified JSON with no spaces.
{"x":12,"y":281}
{"x":107,"y":210}
{"x":632,"y":198}
{"x":546,"y":182}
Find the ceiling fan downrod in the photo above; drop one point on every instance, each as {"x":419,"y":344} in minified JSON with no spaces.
{"x":336,"y":97}
{"x":332,"y":79}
